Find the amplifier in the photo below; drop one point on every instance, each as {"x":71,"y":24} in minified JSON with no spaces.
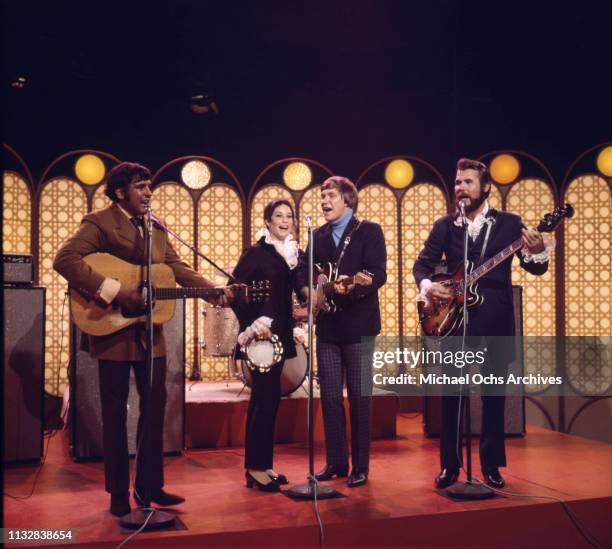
{"x":18,"y":269}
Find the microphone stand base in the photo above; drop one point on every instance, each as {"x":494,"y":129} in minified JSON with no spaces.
{"x":159,"y":520}
{"x":308,"y":489}
{"x":469,"y":490}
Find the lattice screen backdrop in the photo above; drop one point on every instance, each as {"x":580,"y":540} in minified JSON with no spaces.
{"x":310,"y":204}
{"x":377,"y":203}
{"x":495,"y":198}
{"x":531,"y":199}
{"x":16,"y":215}
{"x":422,"y":204}
{"x":62,"y":205}
{"x":587,"y":278}
{"x":262,"y":197}
{"x":173,"y":203}
{"x":220,"y":238}
{"x":100,"y":200}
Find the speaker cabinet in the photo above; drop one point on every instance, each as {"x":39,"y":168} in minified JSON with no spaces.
{"x":514,"y":417}
{"x":86,"y":410}
{"x":24,"y":340}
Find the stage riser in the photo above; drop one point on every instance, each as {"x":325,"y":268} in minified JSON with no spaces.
{"x":222,"y":424}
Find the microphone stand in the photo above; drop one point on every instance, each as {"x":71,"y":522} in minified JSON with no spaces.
{"x":468,"y":489}
{"x":147,"y":517}
{"x":311,"y":490}
{"x":196,"y":374}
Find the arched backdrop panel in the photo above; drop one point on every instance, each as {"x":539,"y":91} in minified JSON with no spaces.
{"x":173,"y":203}
{"x":377,"y":203}
{"x":219,"y":217}
{"x":62,"y":205}
{"x":587,"y":279}
{"x":421,"y":205}
{"x":16,"y":214}
{"x":531,"y":198}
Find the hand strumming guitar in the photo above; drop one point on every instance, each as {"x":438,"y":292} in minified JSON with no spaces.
{"x":130,"y":297}
{"x":340,"y":288}
{"x":437,"y":293}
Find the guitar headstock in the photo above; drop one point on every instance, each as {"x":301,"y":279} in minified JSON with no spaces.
{"x":258,"y":291}
{"x":363,"y":278}
{"x":551,"y":220}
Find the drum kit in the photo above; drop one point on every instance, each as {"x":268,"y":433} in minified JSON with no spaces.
{"x":221,"y":328}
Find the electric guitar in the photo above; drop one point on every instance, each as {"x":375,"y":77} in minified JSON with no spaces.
{"x":326,"y":277}
{"x":443,"y":318}
{"x":98,"y":320}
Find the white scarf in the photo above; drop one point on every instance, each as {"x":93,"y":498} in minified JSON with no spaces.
{"x":287,"y":249}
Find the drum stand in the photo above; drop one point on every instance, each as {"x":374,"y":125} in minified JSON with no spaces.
{"x":311,"y":490}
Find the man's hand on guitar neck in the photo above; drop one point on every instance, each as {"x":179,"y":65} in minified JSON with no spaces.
{"x":228,"y":297}
{"x":534,"y":242}
{"x":342,"y":289}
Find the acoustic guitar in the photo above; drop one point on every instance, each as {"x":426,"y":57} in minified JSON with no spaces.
{"x":98,"y":320}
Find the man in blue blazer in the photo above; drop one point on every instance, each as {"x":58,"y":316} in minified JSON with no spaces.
{"x":345,"y":337}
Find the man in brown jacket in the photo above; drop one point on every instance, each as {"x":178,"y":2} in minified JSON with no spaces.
{"x":119,"y":230}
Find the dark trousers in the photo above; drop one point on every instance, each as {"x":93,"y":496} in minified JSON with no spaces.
{"x":492,"y":444}
{"x":334,"y":362}
{"x":261,"y":417}
{"x":114,"y":389}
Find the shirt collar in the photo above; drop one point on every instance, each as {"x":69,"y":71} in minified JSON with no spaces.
{"x":476,"y":224}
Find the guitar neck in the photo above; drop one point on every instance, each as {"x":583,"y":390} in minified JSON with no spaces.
{"x":180,"y":293}
{"x":494,"y":261}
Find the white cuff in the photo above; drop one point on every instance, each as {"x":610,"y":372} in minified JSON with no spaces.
{"x":425,"y":285}
{"x":542,"y":257}
{"x":109,"y":289}
{"x":260,"y":324}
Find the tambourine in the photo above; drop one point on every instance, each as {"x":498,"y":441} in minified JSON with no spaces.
{"x":262,"y":354}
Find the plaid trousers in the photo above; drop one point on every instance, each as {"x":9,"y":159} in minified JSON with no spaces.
{"x":334,"y":362}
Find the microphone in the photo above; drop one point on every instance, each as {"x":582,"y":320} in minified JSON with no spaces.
{"x":308,"y":221}
{"x":461,"y":205}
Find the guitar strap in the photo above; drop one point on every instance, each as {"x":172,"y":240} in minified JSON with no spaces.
{"x":347,"y":240}
{"x":490,"y":222}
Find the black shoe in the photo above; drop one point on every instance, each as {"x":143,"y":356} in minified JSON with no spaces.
{"x":446,"y":478}
{"x":271,"y":486}
{"x":330,"y":471}
{"x":493,"y":478}
{"x":280,"y":479}
{"x":160,"y":497}
{"x":120,"y":504}
{"x":358,"y":477}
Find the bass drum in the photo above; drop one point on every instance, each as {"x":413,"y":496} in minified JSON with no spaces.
{"x":292,"y":376}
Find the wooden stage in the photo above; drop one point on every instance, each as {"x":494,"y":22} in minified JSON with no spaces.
{"x":399,"y":507}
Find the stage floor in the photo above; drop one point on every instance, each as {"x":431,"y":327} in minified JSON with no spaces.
{"x":398,"y":507}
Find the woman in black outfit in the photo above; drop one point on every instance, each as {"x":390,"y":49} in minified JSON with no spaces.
{"x":274,"y":258}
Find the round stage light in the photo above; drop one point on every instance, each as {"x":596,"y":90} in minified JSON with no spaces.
{"x":195,"y":174}
{"x":90,"y":169}
{"x":399,"y":173}
{"x":505,"y":169}
{"x":297,"y":176}
{"x":604,"y":161}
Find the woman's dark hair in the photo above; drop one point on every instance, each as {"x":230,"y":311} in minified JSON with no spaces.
{"x":271,"y":206}
{"x":122,"y":175}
